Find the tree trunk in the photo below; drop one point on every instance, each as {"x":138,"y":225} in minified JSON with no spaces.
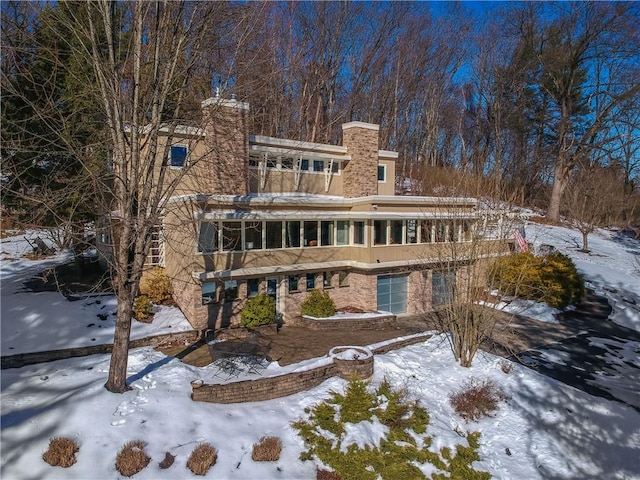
{"x":585,"y":242}
{"x":559,"y":185}
{"x":117,"y":381}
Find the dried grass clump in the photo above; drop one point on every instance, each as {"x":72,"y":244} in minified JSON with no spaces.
{"x":267,"y":449}
{"x":506,"y":366}
{"x":476,"y":399}
{"x":327,"y":475}
{"x":132,"y":458}
{"x":202,"y":458}
{"x":61,"y":452}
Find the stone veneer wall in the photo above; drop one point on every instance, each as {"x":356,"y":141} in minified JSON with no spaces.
{"x":361,"y":172}
{"x":280,"y":386}
{"x":355,"y":323}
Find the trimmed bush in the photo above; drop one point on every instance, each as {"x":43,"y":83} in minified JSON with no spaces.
{"x":61,"y":452}
{"x":259,"y":310}
{"x":268,"y":449}
{"x":476,"y":399}
{"x":318,"y":304}
{"x":156,"y":285}
{"x":203,"y":457}
{"x":551,"y":278}
{"x":143,"y":309}
{"x":132,"y":458}
{"x":396,"y":454}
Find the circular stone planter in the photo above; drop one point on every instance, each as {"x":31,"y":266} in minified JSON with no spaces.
{"x":195,"y":384}
{"x":352,"y":362}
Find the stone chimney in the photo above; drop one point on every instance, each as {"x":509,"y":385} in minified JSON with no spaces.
{"x":227,"y":146}
{"x":361,"y":172}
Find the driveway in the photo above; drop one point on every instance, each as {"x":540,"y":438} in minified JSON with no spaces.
{"x":586,"y":351}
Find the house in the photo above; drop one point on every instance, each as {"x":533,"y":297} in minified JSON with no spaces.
{"x":255,"y":214}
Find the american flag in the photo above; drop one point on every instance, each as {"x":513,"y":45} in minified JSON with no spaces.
{"x":518,"y":234}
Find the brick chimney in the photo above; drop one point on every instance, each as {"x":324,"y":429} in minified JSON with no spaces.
{"x":361,"y":172}
{"x":227,"y":146}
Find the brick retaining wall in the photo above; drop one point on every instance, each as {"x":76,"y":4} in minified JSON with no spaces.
{"x":268,"y":388}
{"x":355,"y":322}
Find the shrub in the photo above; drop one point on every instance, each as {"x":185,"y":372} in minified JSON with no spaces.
{"x":551,"y":278}
{"x":259,"y":310}
{"x":476,"y":399}
{"x":202,"y":458}
{"x":143,"y":309}
{"x":61,"y":452}
{"x":396,"y":455}
{"x":318,"y":304}
{"x":267,"y":449}
{"x":132,"y":458}
{"x":156,"y":285}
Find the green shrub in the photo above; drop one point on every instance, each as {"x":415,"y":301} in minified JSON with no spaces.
{"x":156,"y":285}
{"x":551,"y":278}
{"x":318,"y":304}
{"x":260,"y":310}
{"x":398,"y":454}
{"x":143,"y":309}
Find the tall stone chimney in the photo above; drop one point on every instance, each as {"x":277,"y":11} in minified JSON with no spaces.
{"x":227,"y":146}
{"x":361,"y":172}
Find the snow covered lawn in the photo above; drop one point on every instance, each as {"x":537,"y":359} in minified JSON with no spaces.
{"x":550,"y":430}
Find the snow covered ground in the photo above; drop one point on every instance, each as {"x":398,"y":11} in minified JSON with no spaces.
{"x":551,"y":430}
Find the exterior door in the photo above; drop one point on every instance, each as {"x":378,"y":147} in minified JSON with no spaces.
{"x":392,"y":293}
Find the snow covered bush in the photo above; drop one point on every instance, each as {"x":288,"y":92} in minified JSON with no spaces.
{"x":156,"y":285}
{"x":551,"y":278}
{"x":369,"y":434}
{"x":268,"y":449}
{"x":259,"y":310}
{"x":132,"y":458}
{"x":476,"y":399}
{"x":203,"y":457}
{"x":318,"y":304}
{"x":61,"y":452}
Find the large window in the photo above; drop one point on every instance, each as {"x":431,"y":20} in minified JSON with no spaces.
{"x":343,"y":232}
{"x":178,"y":156}
{"x":253,"y":235}
{"x":293,"y":234}
{"x":392,"y":293}
{"x":358,"y":233}
{"x":443,"y":288}
{"x":326,"y":233}
{"x":379,"y":232}
{"x":273,"y":231}
{"x":208,"y":237}
{"x":318,"y":165}
{"x":395,"y":231}
{"x":311,"y":234}
{"x":231,"y":236}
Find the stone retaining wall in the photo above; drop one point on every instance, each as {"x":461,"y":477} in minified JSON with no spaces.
{"x":289,"y":383}
{"x":355,"y":322}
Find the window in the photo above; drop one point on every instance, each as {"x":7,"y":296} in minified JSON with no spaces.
{"x":443,"y":288}
{"x":382,"y":173}
{"x":209,"y":292}
{"x":311,"y":281}
{"x":293,"y":234}
{"x":178,"y":156}
{"x":231,"y":236}
{"x":335,"y":167}
{"x":293,"y":283}
{"x":311,"y":234}
{"x":253,"y":235}
{"x":396,"y":231}
{"x":287,"y":163}
{"x":253,"y":287}
{"x":426,"y":228}
{"x":304,"y":164}
{"x":230,"y":290}
{"x":208,"y":237}
{"x":318,"y":165}
{"x":272,"y":162}
{"x":273,"y":232}
{"x":358,"y":233}
{"x":254,"y":160}
{"x":326,"y":279}
{"x":326,"y":233}
{"x":343,"y":232}
{"x":392,"y":293}
{"x":379,"y":232}
{"x":343,"y":279}
{"x":412,"y":231}
{"x":440,"y":231}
